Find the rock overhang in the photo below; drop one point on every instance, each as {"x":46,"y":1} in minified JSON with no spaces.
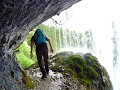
{"x":17,"y":18}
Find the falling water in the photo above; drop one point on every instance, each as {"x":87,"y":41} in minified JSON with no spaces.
{"x":97,"y":30}
{"x":116,"y":53}
{"x":64,"y":38}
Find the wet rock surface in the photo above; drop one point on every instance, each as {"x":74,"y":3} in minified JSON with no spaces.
{"x":54,"y":81}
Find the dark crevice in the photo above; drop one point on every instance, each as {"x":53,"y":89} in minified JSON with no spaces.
{"x":12,"y":74}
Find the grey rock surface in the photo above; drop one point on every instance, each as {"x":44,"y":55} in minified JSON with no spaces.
{"x":17,"y":18}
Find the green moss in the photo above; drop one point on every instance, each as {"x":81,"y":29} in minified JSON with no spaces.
{"x":91,"y":60}
{"x":77,"y":60}
{"x":91,"y":72}
{"x":72,"y":73}
{"x":27,"y":80}
{"x":56,"y":68}
{"x":85,"y":82}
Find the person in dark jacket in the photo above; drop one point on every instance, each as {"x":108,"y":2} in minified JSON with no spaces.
{"x":39,"y":39}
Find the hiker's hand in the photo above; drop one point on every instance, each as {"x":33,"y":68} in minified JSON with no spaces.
{"x":31,"y":54}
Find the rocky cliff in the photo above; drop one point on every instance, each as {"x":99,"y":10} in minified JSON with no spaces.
{"x":17,"y":18}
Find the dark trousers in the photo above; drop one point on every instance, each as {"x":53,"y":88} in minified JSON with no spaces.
{"x":42,"y":50}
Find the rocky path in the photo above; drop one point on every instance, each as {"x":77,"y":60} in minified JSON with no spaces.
{"x":54,"y":81}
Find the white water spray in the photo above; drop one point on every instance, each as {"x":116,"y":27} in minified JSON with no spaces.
{"x":102,"y":18}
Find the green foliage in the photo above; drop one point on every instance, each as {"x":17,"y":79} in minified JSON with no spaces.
{"x":23,"y":56}
{"x":24,"y":61}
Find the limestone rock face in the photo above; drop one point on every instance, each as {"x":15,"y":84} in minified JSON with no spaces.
{"x":17,"y":18}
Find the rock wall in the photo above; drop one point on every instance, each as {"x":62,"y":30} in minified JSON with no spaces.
{"x":17,"y":18}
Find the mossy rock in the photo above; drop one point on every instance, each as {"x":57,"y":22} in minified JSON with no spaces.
{"x":85,"y":69}
{"x":28,"y":82}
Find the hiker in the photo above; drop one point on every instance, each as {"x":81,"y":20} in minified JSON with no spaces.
{"x":39,"y":39}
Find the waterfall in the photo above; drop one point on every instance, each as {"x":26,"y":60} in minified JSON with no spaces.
{"x":69,"y":39}
{"x":116,"y":53}
{"x":93,"y":26}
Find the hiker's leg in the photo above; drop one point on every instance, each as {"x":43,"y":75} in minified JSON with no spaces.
{"x":46,"y":63}
{"x":39,"y":57}
{"x":45,"y":56}
{"x":42,"y":67}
